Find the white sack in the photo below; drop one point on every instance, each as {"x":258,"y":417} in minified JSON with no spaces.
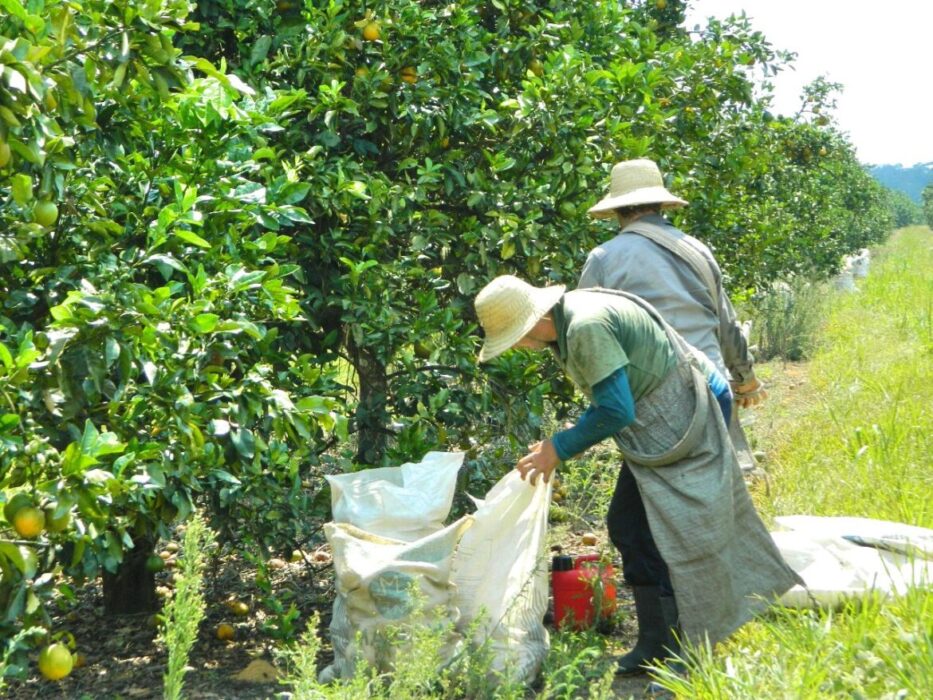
{"x":501,"y":575}
{"x":489,"y":567}
{"x":383,"y":582}
{"x":826,"y":554}
{"x":402,"y":503}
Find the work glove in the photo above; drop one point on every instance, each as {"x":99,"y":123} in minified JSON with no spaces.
{"x":748,"y":394}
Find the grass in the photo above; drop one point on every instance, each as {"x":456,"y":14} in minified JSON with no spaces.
{"x":853,"y":439}
{"x":861,"y":439}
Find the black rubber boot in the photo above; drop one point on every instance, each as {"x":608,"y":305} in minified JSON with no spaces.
{"x":672,"y":649}
{"x":657,"y":620}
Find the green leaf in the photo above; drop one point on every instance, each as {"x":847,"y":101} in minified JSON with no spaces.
{"x":205,"y":323}
{"x":225,"y":476}
{"x":21,"y":186}
{"x":9,"y":420}
{"x":244,"y":442}
{"x":260,"y":49}
{"x":23,"y":558}
{"x":15,"y":8}
{"x":5,"y":356}
{"x":191,"y":237}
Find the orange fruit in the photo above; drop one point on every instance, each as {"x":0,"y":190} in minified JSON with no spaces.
{"x":410,"y":74}
{"x":536,"y":67}
{"x":225,"y":632}
{"x":80,"y":660}
{"x":13,"y":506}
{"x":46,"y":213}
{"x":5,"y":154}
{"x":371,"y":32}
{"x":238,"y":607}
{"x":28,"y":522}
{"x":59,"y":524}
{"x":55,"y":661}
{"x":154,"y":563}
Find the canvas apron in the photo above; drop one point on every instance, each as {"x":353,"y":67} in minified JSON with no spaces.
{"x":723,"y":563}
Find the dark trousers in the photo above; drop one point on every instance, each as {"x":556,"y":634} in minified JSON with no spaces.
{"x":627,"y":523}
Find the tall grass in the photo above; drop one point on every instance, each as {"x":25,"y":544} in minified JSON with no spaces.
{"x":862,"y":442}
{"x":785,"y":319}
{"x":856,"y":443}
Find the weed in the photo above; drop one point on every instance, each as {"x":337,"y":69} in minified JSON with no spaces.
{"x":184,"y":612}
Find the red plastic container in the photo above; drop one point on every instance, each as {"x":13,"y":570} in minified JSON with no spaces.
{"x":574,"y":605}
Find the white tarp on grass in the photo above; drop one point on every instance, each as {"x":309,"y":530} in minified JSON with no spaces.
{"x":842,"y":558}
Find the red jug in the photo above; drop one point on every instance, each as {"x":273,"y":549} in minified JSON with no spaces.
{"x":574,"y":580}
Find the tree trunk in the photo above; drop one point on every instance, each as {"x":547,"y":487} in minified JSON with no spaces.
{"x":371,"y":415}
{"x":132,"y":588}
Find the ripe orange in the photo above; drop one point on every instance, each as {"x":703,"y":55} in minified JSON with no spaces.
{"x":225,"y":632}
{"x":55,"y":662}
{"x":13,"y":506}
{"x":238,"y":607}
{"x":371,"y":32}
{"x":410,"y":75}
{"x":28,"y":522}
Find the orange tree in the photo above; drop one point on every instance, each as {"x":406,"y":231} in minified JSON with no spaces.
{"x":145,"y":239}
{"x":447,"y":143}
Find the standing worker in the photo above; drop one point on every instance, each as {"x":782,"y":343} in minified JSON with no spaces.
{"x":656,"y":397}
{"x":677,"y":275}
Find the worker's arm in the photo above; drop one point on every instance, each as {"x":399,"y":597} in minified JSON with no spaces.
{"x":612,"y":409}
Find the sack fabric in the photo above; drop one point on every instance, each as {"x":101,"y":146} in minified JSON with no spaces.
{"x":485,"y":574}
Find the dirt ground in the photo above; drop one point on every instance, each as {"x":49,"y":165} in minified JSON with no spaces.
{"x":124,"y":660}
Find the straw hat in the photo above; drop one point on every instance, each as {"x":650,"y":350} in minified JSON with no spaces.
{"x":634,"y":182}
{"x":508,"y":308}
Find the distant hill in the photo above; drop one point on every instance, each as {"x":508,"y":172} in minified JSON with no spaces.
{"x":908,"y":180}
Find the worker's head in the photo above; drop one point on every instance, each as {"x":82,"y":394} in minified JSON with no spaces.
{"x":509,"y":309}
{"x":632,"y":184}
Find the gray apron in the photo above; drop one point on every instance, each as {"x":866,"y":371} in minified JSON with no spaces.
{"x":723,"y":563}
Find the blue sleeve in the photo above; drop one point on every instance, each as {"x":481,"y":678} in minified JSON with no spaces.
{"x":612,"y":409}
{"x":720,"y":389}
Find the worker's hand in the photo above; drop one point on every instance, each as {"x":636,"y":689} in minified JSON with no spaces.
{"x":749,"y":394}
{"x":542,"y":459}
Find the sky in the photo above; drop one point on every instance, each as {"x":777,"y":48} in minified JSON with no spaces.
{"x":880,"y":52}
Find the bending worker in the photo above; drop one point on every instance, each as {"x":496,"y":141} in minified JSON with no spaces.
{"x":713,"y":559}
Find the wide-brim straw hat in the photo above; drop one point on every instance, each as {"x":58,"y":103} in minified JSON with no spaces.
{"x":633,"y":183}
{"x":508,"y":308}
